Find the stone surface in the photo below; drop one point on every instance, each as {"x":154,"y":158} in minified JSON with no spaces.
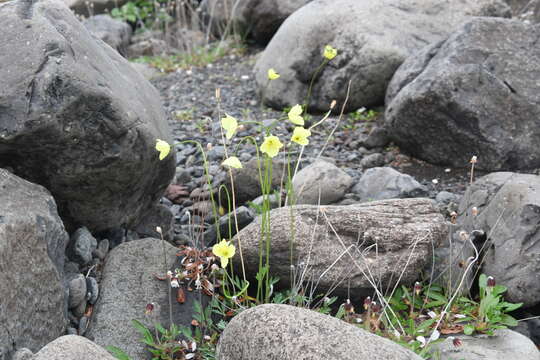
{"x":128,"y":285}
{"x":272,"y":332}
{"x":115,"y":33}
{"x":78,"y":119}
{"x":373,"y":38}
{"x":506,"y":344}
{"x":77,"y":290}
{"x":260,"y":19}
{"x":473,"y":94}
{"x":33,"y":305}
{"x":320,"y":183}
{"x":509,"y":211}
{"x":246,"y":181}
{"x":81,"y":246}
{"x":70,"y":347}
{"x":93,"y":7}
{"x":403,"y":231}
{"x":147,"y":71}
{"x":387,"y":183}
{"x":158,"y":216}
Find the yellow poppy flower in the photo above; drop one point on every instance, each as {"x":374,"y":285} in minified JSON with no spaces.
{"x":163,"y":147}
{"x":271,"y":146}
{"x":294,"y":115}
{"x":330,"y":52}
{"x":272,"y":74}
{"x":233,"y":162}
{"x":224,"y":250}
{"x":300,"y":136}
{"x":229,"y":124}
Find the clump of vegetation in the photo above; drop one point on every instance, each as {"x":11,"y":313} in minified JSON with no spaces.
{"x":198,"y":57}
{"x":413,"y":317}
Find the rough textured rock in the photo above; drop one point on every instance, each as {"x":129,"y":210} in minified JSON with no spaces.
{"x":506,"y":344}
{"x":258,"y":18}
{"x":33,"y":305}
{"x":373,"y":38}
{"x":81,"y":246}
{"x":246,"y":181}
{"x":509,"y":211}
{"x":473,"y":94}
{"x":403,"y":231}
{"x":72,"y":347}
{"x":93,"y":7}
{"x":78,"y":119}
{"x":272,"y":332}
{"x":387,"y":183}
{"x":526,"y":10}
{"x":320,"y":183}
{"x":159,"y":215}
{"x":128,"y":285}
{"x":113,"y":32}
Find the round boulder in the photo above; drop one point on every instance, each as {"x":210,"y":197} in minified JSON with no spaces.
{"x":76,"y":118}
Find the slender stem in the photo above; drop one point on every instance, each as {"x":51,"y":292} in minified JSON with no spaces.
{"x":308,"y":97}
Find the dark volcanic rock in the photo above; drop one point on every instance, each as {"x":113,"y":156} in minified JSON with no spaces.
{"x":33,"y":304}
{"x":76,"y":118}
{"x":476,"y":93}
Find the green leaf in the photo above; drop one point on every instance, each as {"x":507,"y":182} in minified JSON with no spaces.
{"x":142,"y":329}
{"x":437,"y":296}
{"x":498,"y":290}
{"x":435,"y":303}
{"x":118,"y":353}
{"x":508,"y":307}
{"x":468,"y":329}
{"x":508,"y":320}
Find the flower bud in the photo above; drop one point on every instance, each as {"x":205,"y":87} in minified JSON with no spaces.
{"x":490,"y":281}
{"x":367,"y":303}
{"x":417,"y":288}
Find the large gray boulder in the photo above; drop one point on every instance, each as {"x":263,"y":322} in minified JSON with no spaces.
{"x":78,"y":119}
{"x":508,"y":207}
{"x":350,"y":247}
{"x":506,"y":344}
{"x":33,"y":304}
{"x":260,"y":19}
{"x":72,"y":347}
{"x":276,"y":332}
{"x":476,"y":93}
{"x":129,"y":283}
{"x":115,"y":33}
{"x":373,"y":38}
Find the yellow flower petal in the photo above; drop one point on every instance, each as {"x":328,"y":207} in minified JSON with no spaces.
{"x":233,"y":162}
{"x":271,"y":146}
{"x":330,"y":52}
{"x":230,"y":125}
{"x":294,"y":115}
{"x":224,"y":250}
{"x":163,"y":147}
{"x":300,"y":136}
{"x":272,"y":74}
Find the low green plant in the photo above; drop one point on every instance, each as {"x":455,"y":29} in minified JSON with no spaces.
{"x":198,"y":57}
{"x":416,"y":317}
{"x":134,"y":11}
{"x":358,"y":116}
{"x":490,"y":312}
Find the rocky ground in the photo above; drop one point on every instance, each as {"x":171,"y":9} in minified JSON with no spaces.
{"x":189,"y":99}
